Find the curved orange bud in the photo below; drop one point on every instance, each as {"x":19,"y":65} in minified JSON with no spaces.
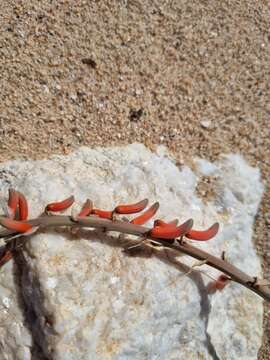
{"x":131,"y":208}
{"x":147,"y":215}
{"x":86,"y":209}
{"x":23,"y":207}
{"x":103,"y":213}
{"x":160,"y":222}
{"x":61,"y":205}
{"x":171,"y":232}
{"x":220,"y":283}
{"x":13,"y":201}
{"x":18,"y":226}
{"x":5,"y":257}
{"x":203,"y":235}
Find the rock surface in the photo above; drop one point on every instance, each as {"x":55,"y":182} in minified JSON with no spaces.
{"x":79,"y":297}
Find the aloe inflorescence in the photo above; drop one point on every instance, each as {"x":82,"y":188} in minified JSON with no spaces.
{"x":164,"y":234}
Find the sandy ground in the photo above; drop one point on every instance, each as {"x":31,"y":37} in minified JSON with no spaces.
{"x":192,"y":75}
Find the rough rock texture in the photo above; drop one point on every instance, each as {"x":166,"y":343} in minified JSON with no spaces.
{"x":79,"y":297}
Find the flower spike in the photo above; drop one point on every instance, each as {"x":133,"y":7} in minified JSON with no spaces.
{"x":171,"y":232}
{"x":18,"y":226}
{"x":163,"y":235}
{"x":61,"y":205}
{"x":203,"y":235}
{"x":147,"y":215}
{"x":131,"y":208}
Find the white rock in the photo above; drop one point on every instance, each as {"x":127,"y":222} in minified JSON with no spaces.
{"x":205,"y":124}
{"x":79,"y":297}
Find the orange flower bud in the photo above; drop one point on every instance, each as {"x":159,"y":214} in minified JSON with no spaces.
{"x":18,"y":226}
{"x":131,"y":208}
{"x":220,"y":283}
{"x":13,"y":201}
{"x":147,"y":215}
{"x":61,"y":205}
{"x":103,"y":213}
{"x":6,"y":256}
{"x":171,"y":232}
{"x":160,"y":222}
{"x":86,"y":209}
{"x":203,"y":235}
{"x":23,"y":207}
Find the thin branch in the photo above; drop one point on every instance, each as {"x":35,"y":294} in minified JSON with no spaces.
{"x":232,"y":271}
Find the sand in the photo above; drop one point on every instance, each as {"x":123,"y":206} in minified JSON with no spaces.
{"x":192,"y":75}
